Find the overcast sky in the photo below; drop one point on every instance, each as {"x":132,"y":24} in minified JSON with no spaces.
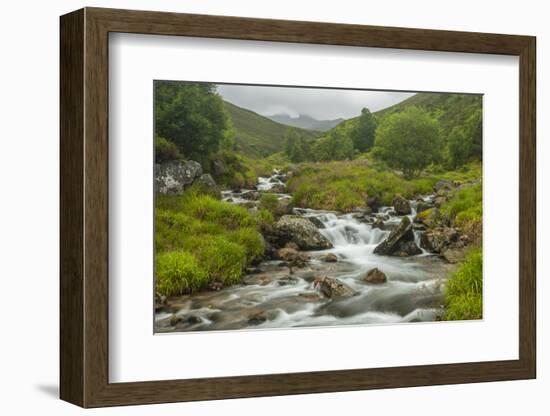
{"x":319,"y":103}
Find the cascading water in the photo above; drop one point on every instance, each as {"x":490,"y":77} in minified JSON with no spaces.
{"x":272,"y":298}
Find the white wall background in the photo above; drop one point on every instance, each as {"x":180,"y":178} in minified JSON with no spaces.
{"x":29,"y":160}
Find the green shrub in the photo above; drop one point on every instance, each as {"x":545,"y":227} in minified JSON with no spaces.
{"x":178,"y":272}
{"x":269,"y":202}
{"x":464,"y":293}
{"x":165,"y":150}
{"x":221,"y":259}
{"x":251,"y":240}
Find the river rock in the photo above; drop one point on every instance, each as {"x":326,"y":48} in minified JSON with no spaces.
{"x":373,"y":203}
{"x":333,"y":288}
{"x":293,"y":258}
{"x":378,"y":223}
{"x":285,"y":206}
{"x":277,"y":188}
{"x":329,"y":258}
{"x":423,"y":206}
{"x":209,"y":184}
{"x":443,"y":185}
{"x":402,"y":233}
{"x":438,"y":239}
{"x":299,"y":230}
{"x":431,"y":218}
{"x":250,"y":195}
{"x":407,"y":248}
{"x":454,"y":255}
{"x":316,"y":221}
{"x":171,"y":178}
{"x":401,"y":205}
{"x":160,"y":301}
{"x":375,"y":276}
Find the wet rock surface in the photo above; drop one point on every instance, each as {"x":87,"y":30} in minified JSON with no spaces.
{"x":401,"y":234}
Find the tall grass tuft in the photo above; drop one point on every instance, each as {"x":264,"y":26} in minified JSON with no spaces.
{"x":464,"y":293}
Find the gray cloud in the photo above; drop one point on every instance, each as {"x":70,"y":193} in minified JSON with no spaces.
{"x":320,"y":103}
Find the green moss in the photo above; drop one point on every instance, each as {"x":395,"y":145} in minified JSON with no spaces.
{"x":464,"y":293}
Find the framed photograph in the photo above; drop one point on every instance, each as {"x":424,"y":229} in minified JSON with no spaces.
{"x":257,"y":207}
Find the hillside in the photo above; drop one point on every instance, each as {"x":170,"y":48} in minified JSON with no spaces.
{"x":306,"y":122}
{"x":450,"y":109}
{"x":258,"y":136}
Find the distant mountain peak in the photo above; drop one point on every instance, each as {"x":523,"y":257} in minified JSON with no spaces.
{"x":305,"y":121}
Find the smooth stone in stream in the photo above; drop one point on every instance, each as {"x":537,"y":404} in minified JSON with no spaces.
{"x":329,"y":258}
{"x":375,"y":276}
{"x":333,"y":288}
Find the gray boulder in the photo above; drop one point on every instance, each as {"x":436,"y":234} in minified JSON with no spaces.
{"x":316,"y":221}
{"x":401,"y":205}
{"x":207,"y":181}
{"x":438,"y":239}
{"x":299,"y":230}
{"x":400,"y":234}
{"x":250,"y":195}
{"x":407,"y":248}
{"x":443,"y":185}
{"x":171,"y":178}
{"x":277,"y":188}
{"x":285,"y":206}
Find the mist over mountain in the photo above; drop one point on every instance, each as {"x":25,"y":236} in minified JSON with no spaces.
{"x":306,"y":122}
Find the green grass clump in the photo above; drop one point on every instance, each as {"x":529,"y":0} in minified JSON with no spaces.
{"x":199,"y":239}
{"x":464,"y":293}
{"x":269,"y":202}
{"x":465,"y":206}
{"x":178,"y":272}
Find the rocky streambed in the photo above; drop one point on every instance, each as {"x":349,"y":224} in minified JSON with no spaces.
{"x":373,"y":266}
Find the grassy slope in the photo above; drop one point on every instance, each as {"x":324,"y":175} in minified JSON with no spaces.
{"x":450,"y":109}
{"x":200,"y":240}
{"x":344,"y":185}
{"x":258,"y":136}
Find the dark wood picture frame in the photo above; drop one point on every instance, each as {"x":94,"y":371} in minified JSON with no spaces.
{"x":84,"y":207}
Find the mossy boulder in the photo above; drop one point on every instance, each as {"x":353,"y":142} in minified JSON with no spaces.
{"x":401,"y":206}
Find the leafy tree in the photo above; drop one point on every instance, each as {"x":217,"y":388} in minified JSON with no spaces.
{"x":474,"y":129}
{"x":464,"y":142}
{"x":363,"y":133}
{"x":296,"y":147}
{"x":335,"y":146}
{"x":409,"y":141}
{"x":191,"y":115}
{"x":459,"y":147}
{"x":165,"y":150}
